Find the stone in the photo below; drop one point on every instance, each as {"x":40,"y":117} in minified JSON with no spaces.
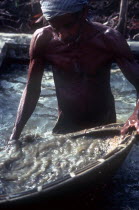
{"x":14,"y":46}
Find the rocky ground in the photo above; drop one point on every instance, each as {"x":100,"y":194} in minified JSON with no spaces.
{"x":24,"y":16}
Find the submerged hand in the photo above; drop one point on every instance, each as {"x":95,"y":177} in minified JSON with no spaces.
{"x":13,"y":148}
{"x":132,"y":123}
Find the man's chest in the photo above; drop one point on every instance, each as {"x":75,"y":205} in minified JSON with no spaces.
{"x":88,"y":58}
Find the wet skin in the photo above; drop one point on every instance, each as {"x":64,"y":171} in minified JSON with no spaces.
{"x":81,"y":54}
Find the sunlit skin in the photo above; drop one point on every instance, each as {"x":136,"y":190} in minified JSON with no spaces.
{"x":81,"y":54}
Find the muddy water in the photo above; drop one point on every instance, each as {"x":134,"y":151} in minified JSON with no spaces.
{"x":18,"y":169}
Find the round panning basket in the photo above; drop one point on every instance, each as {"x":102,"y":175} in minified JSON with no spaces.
{"x":91,"y":175}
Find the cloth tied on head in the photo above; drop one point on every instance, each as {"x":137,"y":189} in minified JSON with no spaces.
{"x":53,"y":8}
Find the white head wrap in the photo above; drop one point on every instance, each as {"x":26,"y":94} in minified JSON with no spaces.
{"x":53,"y":8}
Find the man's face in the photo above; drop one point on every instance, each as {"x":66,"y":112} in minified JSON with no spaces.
{"x":67,"y":26}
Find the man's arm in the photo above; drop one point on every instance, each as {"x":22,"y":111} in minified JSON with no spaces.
{"x":32,"y":90}
{"x":124,"y":58}
{"x":131,"y":71}
{"x":29,"y":97}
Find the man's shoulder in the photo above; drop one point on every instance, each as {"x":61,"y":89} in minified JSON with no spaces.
{"x":107,"y":36}
{"x":40,"y":39}
{"x":113,"y":40}
{"x":44,"y":32}
{"x":105,"y":31}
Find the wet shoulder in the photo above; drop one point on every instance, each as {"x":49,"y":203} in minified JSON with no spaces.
{"x":107,"y":37}
{"x":114,"y":41}
{"x":39,"y":42}
{"x":105,"y":31}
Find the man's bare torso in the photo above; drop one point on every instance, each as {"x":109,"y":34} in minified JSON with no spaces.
{"x":82,"y":76}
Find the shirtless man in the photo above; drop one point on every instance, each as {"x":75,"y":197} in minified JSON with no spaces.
{"x":81,"y":54}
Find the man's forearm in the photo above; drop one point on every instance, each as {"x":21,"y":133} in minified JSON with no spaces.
{"x":137,"y":105}
{"x":26,"y":107}
{"x":137,"y":96}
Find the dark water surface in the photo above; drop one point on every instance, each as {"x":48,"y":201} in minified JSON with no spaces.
{"x":123,"y":190}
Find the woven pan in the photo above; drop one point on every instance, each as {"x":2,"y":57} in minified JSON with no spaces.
{"x":92,"y":175}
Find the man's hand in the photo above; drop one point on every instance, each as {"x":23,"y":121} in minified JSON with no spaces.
{"x":13,"y":150}
{"x":132,"y":123}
